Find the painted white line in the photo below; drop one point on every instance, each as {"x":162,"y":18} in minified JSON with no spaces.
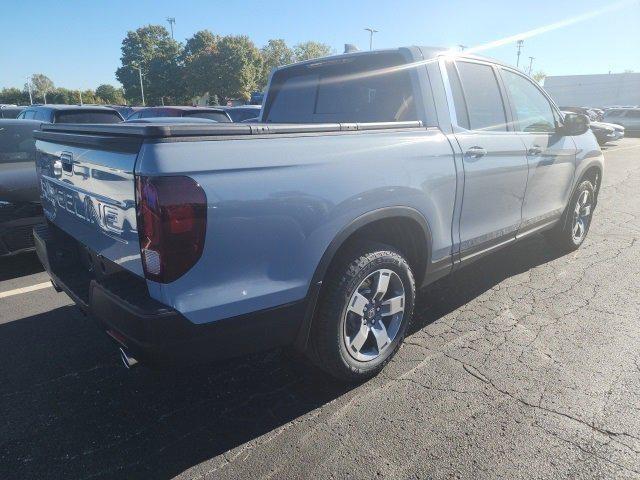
{"x":18,"y":291}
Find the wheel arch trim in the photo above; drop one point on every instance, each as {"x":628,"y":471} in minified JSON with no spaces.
{"x":339,"y":241}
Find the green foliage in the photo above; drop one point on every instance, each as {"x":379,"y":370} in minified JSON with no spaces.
{"x":199,"y":58}
{"x":110,"y":94}
{"x":14,"y":95}
{"x":310,"y":50}
{"x":41,"y":85}
{"x":274,"y":54}
{"x":152,"y":49}
{"x":539,"y":76}
{"x":240,"y":65}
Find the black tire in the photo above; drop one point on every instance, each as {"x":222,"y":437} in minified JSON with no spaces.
{"x":562,"y":237}
{"x":327,"y":348}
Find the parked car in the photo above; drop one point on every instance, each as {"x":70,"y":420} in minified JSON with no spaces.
{"x":629,"y":118}
{"x":589,"y":112}
{"x":256,"y":98}
{"x":244,"y":112}
{"x":125,"y":110}
{"x":20,"y":208}
{"x":606,"y":132}
{"x":211,"y":113}
{"x":372,"y":174}
{"x":70,"y":114}
{"x":10,"y":111}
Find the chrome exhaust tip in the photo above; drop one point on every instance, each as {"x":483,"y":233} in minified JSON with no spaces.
{"x":128,"y":361}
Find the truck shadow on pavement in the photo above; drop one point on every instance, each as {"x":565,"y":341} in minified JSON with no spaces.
{"x":69,"y":410}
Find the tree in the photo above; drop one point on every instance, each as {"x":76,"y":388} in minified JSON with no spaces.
{"x":539,"y":76}
{"x":199,"y":58}
{"x":110,"y":94}
{"x":14,"y":96}
{"x":41,"y":85}
{"x":310,"y":50}
{"x":240,"y":66}
{"x":152,"y":49}
{"x":274,"y":54}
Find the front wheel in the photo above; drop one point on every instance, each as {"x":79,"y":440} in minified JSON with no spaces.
{"x":364,"y":312}
{"x":572,"y":231}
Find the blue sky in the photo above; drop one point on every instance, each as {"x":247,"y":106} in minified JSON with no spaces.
{"x":77,"y":43}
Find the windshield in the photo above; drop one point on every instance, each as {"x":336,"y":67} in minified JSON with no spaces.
{"x":88,"y":117}
{"x":211,"y":115}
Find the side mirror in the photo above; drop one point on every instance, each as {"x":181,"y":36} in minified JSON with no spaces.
{"x":575,"y":124}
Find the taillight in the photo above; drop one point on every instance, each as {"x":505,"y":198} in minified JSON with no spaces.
{"x":172,"y":222}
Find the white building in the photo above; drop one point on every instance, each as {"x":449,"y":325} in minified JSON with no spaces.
{"x":595,"y":90}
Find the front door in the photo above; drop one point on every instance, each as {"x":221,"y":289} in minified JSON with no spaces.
{"x":494,"y":160}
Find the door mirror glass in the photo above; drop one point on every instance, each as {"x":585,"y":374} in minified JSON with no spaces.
{"x":575,"y":124}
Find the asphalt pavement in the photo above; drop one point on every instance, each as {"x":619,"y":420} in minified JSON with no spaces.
{"x":523,"y":365}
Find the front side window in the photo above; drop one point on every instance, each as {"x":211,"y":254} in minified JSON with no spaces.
{"x":482,"y":94}
{"x":532,"y":110}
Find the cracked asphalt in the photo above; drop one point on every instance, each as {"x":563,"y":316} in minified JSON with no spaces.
{"x":523,"y":365}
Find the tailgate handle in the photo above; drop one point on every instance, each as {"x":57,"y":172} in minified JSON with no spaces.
{"x":66,"y":158}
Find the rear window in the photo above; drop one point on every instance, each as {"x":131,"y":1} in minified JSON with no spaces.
{"x":217,"y":116}
{"x":87,"y":117}
{"x":368,"y":88}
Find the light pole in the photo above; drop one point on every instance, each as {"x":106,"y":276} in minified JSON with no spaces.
{"x":519,"y":43}
{"x":371,"y":32}
{"x":461,"y":47}
{"x":172,"y":21}
{"x":29,"y":88}
{"x":531,"y":59}
{"x":140,"y":76}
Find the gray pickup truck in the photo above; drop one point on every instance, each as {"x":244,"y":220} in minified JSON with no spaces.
{"x":368,"y":176}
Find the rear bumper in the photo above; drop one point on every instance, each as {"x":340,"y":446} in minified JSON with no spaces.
{"x":154,"y":333}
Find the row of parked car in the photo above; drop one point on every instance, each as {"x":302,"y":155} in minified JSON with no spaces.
{"x":611,"y":123}
{"x":20,"y":206}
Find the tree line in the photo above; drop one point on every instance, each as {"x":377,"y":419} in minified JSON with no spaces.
{"x":207,"y":66}
{"x":220,"y":67}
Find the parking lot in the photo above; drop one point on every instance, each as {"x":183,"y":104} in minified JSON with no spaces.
{"x":523,"y":365}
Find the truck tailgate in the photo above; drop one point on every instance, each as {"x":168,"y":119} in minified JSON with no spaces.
{"x":90,"y":194}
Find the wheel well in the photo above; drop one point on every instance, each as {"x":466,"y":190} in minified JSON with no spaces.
{"x":594,"y":175}
{"x":403,"y":233}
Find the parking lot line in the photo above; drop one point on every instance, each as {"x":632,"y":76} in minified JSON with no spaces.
{"x":18,"y":291}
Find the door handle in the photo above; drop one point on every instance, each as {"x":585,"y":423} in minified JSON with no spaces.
{"x":534,"y":151}
{"x":476,"y":152}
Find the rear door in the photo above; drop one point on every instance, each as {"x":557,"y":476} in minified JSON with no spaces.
{"x":494,"y":158}
{"x":550,"y":154}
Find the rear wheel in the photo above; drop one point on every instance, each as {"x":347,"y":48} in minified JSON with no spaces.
{"x":364,"y":312}
{"x":571,"y":233}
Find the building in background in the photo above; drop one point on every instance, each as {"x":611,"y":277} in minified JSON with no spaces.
{"x":602,"y":90}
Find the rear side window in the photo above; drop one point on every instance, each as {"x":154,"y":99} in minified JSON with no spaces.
{"x":43,"y":115}
{"x":29,"y":114}
{"x":368,"y":88}
{"x":483,"y":99}
{"x":217,"y":116}
{"x":531,"y":108}
{"x":87,"y":117}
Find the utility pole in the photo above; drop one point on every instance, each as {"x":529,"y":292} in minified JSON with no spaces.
{"x":519,"y":43}
{"x":461,"y":47}
{"x":531,"y":59}
{"x":141,"y":87}
{"x":80,"y":92}
{"x":172,"y":21}
{"x":371,"y":32}
{"x":29,"y":88}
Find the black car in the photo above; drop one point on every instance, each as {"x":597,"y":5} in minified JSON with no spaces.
{"x":70,"y":114}
{"x":10,"y":111}
{"x":243,"y":112}
{"x":20,"y":208}
{"x":210,"y":113}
